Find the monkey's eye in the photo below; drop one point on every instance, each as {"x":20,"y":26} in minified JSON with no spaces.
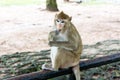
{"x":62,"y":21}
{"x":57,"y":21}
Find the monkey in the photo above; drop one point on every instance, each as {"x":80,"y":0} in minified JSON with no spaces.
{"x":66,"y":45}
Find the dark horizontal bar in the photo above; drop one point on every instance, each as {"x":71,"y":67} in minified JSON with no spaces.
{"x":100,"y":61}
{"x":45,"y":74}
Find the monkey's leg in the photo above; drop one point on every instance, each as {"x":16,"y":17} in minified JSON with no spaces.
{"x":54,"y":58}
{"x":76,"y":71}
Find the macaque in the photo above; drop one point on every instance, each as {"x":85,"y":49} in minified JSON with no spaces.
{"x":66,"y":45}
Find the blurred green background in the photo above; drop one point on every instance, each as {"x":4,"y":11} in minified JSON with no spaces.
{"x":20,"y":2}
{"x":38,"y":2}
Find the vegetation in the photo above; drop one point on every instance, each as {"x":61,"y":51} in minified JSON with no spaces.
{"x":38,"y":2}
{"x":26,"y":62}
{"x":20,"y":2}
{"x":93,"y":2}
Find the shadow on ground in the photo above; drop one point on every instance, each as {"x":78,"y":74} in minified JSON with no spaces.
{"x":26,"y":62}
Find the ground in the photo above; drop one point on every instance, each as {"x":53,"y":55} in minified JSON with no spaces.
{"x":26,"y":28}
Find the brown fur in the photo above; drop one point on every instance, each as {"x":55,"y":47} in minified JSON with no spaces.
{"x":68,"y":54}
{"x":62,"y":15}
{"x":69,"y":46}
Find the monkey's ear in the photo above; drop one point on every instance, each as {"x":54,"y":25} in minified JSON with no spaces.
{"x":70,"y":18}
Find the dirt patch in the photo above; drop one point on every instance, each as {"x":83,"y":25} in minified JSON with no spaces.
{"x":26,"y":28}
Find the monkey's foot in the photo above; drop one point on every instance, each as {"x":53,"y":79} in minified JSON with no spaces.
{"x":47,"y":66}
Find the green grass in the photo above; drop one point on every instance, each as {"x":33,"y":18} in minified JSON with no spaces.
{"x":20,"y":2}
{"x":38,"y":2}
{"x":93,"y":2}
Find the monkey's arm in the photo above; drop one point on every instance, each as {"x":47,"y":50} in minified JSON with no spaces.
{"x":72,"y":44}
{"x":54,"y":41}
{"x":51,"y":36}
{"x":69,"y":45}
{"x":62,"y":44}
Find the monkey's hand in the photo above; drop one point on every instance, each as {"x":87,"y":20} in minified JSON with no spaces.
{"x":52,"y":35}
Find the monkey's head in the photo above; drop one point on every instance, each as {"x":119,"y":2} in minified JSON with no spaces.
{"x":61,"y":19}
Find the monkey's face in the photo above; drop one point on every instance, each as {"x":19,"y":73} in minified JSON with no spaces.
{"x":60,"y":23}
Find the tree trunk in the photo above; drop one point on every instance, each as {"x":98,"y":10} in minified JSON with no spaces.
{"x":51,"y":5}
{"x":66,"y":0}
